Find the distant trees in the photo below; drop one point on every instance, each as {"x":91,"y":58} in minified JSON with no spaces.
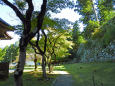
{"x":58,"y":45}
{"x":94,"y":13}
{"x":105,"y":8}
{"x":97,"y":17}
{"x":9,"y":53}
{"x":87,"y":9}
{"x":2,"y":54}
{"x":77,"y":39}
{"x":31,"y":55}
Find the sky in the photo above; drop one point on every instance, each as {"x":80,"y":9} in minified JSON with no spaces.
{"x":8,"y":15}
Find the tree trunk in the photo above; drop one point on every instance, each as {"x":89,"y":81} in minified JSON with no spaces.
{"x":20,"y":67}
{"x":35,"y":62}
{"x":44,"y":67}
{"x":55,"y":59}
{"x":94,"y":10}
{"x":49,"y":65}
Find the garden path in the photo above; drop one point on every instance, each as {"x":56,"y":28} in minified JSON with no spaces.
{"x":65,"y":79}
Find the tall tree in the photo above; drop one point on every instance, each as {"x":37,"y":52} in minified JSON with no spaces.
{"x":86,"y":8}
{"x":41,"y":49}
{"x":75,"y":35}
{"x":27,"y":34}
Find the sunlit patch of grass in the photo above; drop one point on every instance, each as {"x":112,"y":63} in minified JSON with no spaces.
{"x":61,"y":67}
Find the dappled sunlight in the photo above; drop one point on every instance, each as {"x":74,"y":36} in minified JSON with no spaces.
{"x":59,"y":72}
{"x":61,"y":67}
{"x":29,"y":67}
{"x":28,"y":70}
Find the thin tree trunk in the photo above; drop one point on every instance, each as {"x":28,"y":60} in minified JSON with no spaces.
{"x":35,"y":62}
{"x":44,"y":67}
{"x":20,"y":67}
{"x":94,"y":10}
{"x":49,"y":65}
{"x":55,"y":57}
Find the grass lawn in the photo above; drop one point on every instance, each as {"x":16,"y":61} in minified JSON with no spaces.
{"x":104,"y":73}
{"x":30,"y":79}
{"x":84,"y":74}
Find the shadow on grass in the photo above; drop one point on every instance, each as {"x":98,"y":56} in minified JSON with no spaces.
{"x":31,"y":79}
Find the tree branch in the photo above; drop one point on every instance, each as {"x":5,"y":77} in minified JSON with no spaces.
{"x":30,"y":10}
{"x":29,"y":16}
{"x":41,"y":15}
{"x":45,"y":41}
{"x":40,"y":19}
{"x":33,"y":46}
{"x":37,"y":43}
{"x":18,"y":13}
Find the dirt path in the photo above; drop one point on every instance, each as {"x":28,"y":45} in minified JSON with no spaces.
{"x":65,"y":79}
